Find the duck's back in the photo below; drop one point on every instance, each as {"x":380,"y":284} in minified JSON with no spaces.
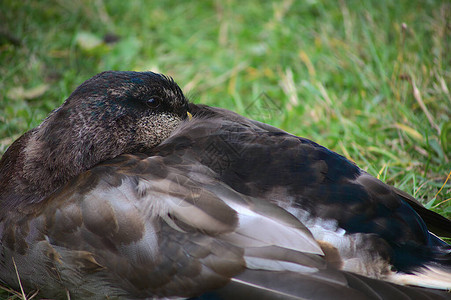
{"x":341,"y":204}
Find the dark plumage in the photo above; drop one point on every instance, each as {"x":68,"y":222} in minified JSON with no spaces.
{"x":118,"y":194}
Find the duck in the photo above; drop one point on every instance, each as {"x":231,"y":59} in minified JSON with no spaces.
{"x":130,"y":191}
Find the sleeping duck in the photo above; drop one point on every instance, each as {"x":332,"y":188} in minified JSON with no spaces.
{"x":127,"y":190}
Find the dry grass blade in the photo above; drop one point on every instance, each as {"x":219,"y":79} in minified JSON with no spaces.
{"x":18,"y":278}
{"x":441,"y":188}
{"x":10,"y":291}
{"x":289,"y":87}
{"x":417,"y":96}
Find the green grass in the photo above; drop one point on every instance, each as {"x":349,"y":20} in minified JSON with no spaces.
{"x":346,"y":74}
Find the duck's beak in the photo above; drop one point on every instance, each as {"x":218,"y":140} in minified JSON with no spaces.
{"x":190,"y":116}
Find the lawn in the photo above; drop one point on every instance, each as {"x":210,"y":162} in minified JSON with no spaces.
{"x":368,"y":79}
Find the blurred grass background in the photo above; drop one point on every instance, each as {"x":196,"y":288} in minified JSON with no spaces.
{"x":369,"y":79}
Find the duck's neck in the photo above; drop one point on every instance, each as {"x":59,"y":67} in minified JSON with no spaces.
{"x":14,"y":186}
{"x":34,"y":166}
{"x":47,"y":165}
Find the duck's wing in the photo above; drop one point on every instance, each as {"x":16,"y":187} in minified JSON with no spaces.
{"x":137,"y":226}
{"x":435,"y":222}
{"x":365,"y":219}
{"x":167,"y":227}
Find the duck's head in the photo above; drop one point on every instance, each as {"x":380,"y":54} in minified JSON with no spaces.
{"x":110,"y":114}
{"x":115,"y":112}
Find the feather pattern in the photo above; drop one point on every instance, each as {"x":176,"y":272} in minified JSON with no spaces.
{"x":219,"y":206}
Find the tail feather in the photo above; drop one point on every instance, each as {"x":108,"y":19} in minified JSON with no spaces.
{"x":432,"y":276}
{"x":436,"y":223}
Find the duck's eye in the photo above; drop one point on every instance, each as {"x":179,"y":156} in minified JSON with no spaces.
{"x":153,"y":102}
